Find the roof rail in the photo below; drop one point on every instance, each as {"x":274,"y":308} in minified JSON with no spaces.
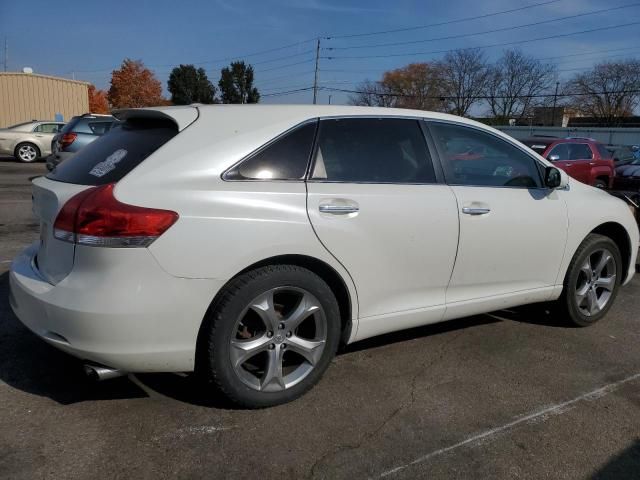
{"x":582,"y":138}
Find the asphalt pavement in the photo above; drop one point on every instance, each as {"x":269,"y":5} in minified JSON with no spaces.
{"x":508,"y":395}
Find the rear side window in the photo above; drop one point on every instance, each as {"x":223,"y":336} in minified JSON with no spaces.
{"x":46,"y":128}
{"x":560,"y":152}
{"x":112,"y":156}
{"x":580,"y":151}
{"x":372,"y":150}
{"x":285,"y":158}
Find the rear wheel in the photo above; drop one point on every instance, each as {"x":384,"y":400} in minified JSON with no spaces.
{"x":592,"y":281}
{"x":272,"y":335}
{"x":26,"y":152}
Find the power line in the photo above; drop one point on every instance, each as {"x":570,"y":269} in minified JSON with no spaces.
{"x":313,"y":39}
{"x":485,"y":32}
{"x":309,"y":60}
{"x":439,"y":24}
{"x":589,"y":53}
{"x":289,"y":92}
{"x":480,"y":97}
{"x":516,"y":42}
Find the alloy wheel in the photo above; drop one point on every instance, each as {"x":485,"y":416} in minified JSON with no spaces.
{"x":27,"y":153}
{"x":596,"y":282}
{"x":278,"y":339}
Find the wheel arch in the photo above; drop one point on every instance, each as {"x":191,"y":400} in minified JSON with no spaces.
{"x":325,"y":271}
{"x":620,"y":236}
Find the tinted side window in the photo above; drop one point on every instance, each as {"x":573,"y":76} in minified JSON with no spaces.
{"x":372,"y":150}
{"x":285,"y":158}
{"x":110,"y":157}
{"x":604,"y":153}
{"x":473,"y":157}
{"x":579,"y":151}
{"x":561,"y":151}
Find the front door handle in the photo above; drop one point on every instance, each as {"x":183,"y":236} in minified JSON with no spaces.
{"x":475,"y":211}
{"x":338,"y":209}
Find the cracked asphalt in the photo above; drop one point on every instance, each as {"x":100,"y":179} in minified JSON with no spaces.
{"x":506,"y":395}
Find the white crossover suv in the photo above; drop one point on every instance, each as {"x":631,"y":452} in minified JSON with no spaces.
{"x":248,"y":242}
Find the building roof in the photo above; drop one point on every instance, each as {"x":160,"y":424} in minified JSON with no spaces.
{"x":21,"y":74}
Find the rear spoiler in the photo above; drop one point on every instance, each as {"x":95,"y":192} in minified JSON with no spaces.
{"x":181,"y":116}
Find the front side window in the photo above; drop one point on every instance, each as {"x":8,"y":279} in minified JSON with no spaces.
{"x":372,"y":150}
{"x":473,"y":157}
{"x":285,"y":158}
{"x":559,"y":153}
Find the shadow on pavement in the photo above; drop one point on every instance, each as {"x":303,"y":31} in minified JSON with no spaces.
{"x":624,"y":466}
{"x":31,"y":365}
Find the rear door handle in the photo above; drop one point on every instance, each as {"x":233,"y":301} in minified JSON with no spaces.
{"x":338,"y":209}
{"x":475,"y":211}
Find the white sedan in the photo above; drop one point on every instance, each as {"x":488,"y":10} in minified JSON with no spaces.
{"x":248,"y":242}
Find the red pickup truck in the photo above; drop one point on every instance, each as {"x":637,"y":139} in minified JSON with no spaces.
{"x":584,"y":159}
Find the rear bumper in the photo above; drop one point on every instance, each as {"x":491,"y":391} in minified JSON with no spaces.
{"x":117,"y":308}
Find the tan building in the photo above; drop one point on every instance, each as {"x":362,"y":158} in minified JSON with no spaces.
{"x":29,"y":96}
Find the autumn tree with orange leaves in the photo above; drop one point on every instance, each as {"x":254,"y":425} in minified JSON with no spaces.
{"x":98,"y":100}
{"x":134,"y":86}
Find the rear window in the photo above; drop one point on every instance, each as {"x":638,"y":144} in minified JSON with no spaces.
{"x":112,"y":156}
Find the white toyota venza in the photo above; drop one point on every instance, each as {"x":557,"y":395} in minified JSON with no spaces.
{"x":249,"y":242}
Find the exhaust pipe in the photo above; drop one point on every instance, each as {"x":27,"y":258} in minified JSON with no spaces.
{"x":98,"y":373}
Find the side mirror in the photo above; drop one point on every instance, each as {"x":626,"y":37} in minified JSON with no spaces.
{"x":553,"y":178}
{"x":554,"y":158}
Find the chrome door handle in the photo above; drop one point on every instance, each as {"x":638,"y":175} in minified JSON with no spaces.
{"x":568,"y":164}
{"x":475,"y":211}
{"x":338,"y":209}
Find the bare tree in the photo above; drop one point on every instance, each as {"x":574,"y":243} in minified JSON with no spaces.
{"x":609,"y":91}
{"x":464,"y":73}
{"x":514,"y":82}
{"x":372,"y":94}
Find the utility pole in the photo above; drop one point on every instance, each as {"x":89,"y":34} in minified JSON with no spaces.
{"x":6,"y":53}
{"x":315,"y":79}
{"x":553,"y":111}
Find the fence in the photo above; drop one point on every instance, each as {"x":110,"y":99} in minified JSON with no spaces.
{"x":609,"y":136}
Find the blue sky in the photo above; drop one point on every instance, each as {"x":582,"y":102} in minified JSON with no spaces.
{"x":92,"y":38}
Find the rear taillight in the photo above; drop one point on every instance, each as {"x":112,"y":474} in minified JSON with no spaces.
{"x":67,"y":139}
{"x":94,"y":217}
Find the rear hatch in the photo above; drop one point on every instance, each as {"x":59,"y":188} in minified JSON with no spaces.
{"x":105,"y":161}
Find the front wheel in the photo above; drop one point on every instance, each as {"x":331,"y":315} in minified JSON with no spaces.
{"x":601,"y":184}
{"x":271,"y":335}
{"x":26,"y":152}
{"x":592,"y":281}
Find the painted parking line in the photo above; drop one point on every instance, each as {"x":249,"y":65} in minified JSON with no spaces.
{"x":556,"y":409}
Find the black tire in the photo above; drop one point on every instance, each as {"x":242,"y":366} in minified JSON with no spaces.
{"x":221,"y":328}
{"x":600,"y":183}
{"x":17,"y":153}
{"x":568,"y":302}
